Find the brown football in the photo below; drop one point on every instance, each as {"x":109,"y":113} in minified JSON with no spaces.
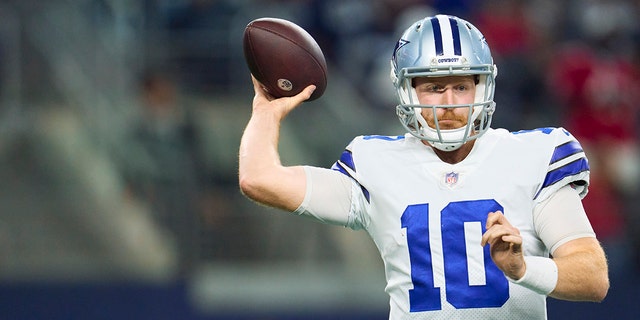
{"x":284,"y":57}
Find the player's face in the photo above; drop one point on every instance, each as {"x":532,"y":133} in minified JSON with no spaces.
{"x":446,"y":91}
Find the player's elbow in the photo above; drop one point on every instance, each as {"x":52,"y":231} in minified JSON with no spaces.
{"x":601,"y":295}
{"x":251,"y":186}
{"x":596,"y":286}
{"x":259,"y":188}
{"x":596,"y":294}
{"x":600,"y":278}
{"x":277,"y":187}
{"x":600,"y":287}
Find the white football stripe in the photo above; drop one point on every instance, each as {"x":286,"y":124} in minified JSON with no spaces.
{"x":447,"y":35}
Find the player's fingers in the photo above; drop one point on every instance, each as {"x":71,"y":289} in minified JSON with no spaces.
{"x":492,"y":234}
{"x":304,"y":95}
{"x":514,"y":239}
{"x":493,"y":218}
{"x":260,"y":93}
{"x":289,"y":103}
{"x":497,"y":229}
{"x":256,"y":85}
{"x":255,"y":82}
{"x":515,"y":243}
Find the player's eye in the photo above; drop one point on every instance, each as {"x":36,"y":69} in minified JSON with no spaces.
{"x":461,"y":87}
{"x":430,"y":87}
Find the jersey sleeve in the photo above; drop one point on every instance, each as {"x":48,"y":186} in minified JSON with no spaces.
{"x":327,"y":196}
{"x":334,"y":196}
{"x":561,"y":218}
{"x":360,"y":197}
{"x":567,"y":165}
{"x":346,"y":165}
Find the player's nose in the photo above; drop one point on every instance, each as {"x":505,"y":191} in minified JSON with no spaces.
{"x":447,"y":97}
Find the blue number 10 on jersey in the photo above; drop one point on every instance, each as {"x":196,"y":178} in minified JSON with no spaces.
{"x":461,"y":292}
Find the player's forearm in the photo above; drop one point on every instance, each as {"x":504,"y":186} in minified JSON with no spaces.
{"x":261,"y":174}
{"x":582,"y":275}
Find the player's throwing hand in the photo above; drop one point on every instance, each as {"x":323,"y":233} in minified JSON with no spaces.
{"x":262,"y":99}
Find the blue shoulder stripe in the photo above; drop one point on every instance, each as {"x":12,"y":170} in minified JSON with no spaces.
{"x":337,"y":166}
{"x":572,"y":168}
{"x":565,"y":150}
{"x":346,"y":159}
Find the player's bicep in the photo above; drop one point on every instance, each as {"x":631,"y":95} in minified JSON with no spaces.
{"x":328,"y":196}
{"x":561,"y":218}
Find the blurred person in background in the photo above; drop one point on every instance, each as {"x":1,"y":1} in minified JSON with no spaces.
{"x":516,"y":41}
{"x":596,"y":80}
{"x":452,"y":192}
{"x":165,"y":167}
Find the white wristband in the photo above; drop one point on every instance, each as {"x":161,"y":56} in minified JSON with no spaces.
{"x":541,"y":275}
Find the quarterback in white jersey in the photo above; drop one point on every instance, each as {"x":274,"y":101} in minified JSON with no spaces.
{"x":428,"y":225}
{"x":471,"y":222}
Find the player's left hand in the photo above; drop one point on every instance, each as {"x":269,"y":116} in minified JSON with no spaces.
{"x":506,"y":245}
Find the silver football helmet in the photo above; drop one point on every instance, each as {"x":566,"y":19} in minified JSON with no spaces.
{"x":440,"y":46}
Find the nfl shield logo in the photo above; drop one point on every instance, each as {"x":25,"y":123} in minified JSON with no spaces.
{"x":451,"y":178}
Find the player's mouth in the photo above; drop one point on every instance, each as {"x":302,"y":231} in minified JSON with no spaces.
{"x":449,"y":124}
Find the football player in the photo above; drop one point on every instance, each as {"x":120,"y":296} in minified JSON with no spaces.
{"x":471,"y":222}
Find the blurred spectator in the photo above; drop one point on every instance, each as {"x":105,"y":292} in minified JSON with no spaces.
{"x":165,"y":167}
{"x":195,"y":38}
{"x":461,"y":8}
{"x":62,"y":211}
{"x":515,"y":44}
{"x":598,"y":84}
{"x":355,"y":37}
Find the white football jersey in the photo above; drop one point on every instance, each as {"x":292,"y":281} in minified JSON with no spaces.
{"x":427,"y":217}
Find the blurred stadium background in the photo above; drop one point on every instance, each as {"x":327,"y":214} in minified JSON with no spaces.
{"x":120,"y":122}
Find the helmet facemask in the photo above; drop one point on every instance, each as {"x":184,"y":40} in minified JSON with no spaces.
{"x":412,"y":60}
